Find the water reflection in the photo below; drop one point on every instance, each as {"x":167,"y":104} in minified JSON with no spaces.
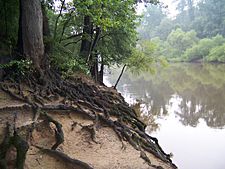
{"x":198,"y":90}
{"x":184,"y":107}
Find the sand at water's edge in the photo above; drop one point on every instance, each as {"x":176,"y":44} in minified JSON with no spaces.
{"x":105,"y":154}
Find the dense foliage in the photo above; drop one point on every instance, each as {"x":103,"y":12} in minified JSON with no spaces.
{"x":8,"y":26}
{"x":81,"y":35}
{"x":196,"y":33}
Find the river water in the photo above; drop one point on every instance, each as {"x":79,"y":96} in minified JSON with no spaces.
{"x":184,"y":107}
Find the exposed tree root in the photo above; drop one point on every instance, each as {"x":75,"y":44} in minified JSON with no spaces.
{"x":89,"y":100}
{"x":13,"y":139}
{"x":59,"y":135}
{"x":15,"y":107}
{"x":92,"y":130}
{"x":4,"y":146}
{"x":73,"y":163}
{"x":144,"y":157}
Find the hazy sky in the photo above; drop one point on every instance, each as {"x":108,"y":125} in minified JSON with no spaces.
{"x":171,"y":7}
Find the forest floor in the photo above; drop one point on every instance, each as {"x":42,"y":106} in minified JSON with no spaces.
{"x":88,"y":142}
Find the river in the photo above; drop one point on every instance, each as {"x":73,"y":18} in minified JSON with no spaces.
{"x":184,"y":107}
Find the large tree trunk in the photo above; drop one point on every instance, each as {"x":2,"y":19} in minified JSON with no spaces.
{"x":30,"y":39}
{"x":46,"y":31}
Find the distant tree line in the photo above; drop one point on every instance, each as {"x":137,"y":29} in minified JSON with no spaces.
{"x":196,"y":33}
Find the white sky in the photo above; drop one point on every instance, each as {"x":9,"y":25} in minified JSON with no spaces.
{"x":171,"y":7}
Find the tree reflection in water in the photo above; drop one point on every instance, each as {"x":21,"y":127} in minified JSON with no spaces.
{"x":200,"y":91}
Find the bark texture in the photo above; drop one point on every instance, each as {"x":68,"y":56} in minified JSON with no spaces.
{"x":31,"y":32}
{"x":87,"y":36}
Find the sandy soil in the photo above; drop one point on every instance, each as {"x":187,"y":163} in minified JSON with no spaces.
{"x":106,"y":152}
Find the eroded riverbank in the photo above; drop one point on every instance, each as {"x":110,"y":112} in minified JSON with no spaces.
{"x":101,"y":140}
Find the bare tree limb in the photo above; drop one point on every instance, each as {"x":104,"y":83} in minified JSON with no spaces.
{"x":119,"y":76}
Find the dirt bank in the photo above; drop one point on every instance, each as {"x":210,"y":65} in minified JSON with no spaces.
{"x":101,"y":143}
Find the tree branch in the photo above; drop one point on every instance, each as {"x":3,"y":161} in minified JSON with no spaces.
{"x":76,"y":35}
{"x":69,"y":43}
{"x":73,"y":36}
{"x":57,"y":19}
{"x":64,"y":26}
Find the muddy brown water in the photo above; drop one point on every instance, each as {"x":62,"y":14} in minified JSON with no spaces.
{"x":184,"y":107}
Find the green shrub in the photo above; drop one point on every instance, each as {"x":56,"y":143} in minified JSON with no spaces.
{"x":202,"y":49}
{"x":217,"y":54}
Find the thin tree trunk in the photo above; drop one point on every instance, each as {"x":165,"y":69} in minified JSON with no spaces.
{"x":6,"y":23}
{"x":64,"y":27}
{"x":86,"y":37}
{"x":94,"y":67}
{"x":101,"y":73}
{"x":97,"y":37}
{"x":57,"y":19}
{"x":119,"y":76}
{"x":94,"y":57}
{"x":20,"y":39}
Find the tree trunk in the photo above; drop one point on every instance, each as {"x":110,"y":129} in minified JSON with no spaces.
{"x":94,"y":66}
{"x":5,"y":17}
{"x":46,"y":32}
{"x":94,"y":56}
{"x":57,"y":19}
{"x":19,"y":49}
{"x":119,"y":76}
{"x":86,"y":39}
{"x":101,"y":73}
{"x":30,"y":39}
